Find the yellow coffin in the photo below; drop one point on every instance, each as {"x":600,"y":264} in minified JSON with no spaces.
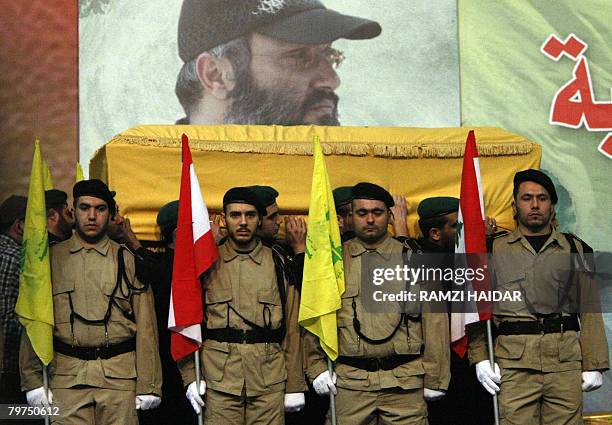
{"x":143,"y":164}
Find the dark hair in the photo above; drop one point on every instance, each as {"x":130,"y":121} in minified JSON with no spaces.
{"x":426,"y":224}
{"x":166,"y":235}
{"x":344,"y":211}
{"x":188,"y":88}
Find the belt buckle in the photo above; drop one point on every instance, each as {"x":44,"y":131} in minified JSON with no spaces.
{"x":97,"y":353}
{"x":243,"y":336}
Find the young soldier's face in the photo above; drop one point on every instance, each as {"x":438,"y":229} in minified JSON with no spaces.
{"x":270,"y":224}
{"x":242,"y":221}
{"x":91,"y":216}
{"x":533,"y":206}
{"x":370,"y":220}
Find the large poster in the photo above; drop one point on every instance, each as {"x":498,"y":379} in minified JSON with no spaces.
{"x":539,"y":69}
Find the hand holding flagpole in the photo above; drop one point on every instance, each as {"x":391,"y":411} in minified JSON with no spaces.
{"x":195,"y":252}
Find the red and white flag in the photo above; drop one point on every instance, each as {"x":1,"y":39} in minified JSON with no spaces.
{"x":470,"y":239}
{"x":194,"y":252}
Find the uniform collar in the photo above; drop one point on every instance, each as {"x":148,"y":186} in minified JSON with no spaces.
{"x":76,"y":244}
{"x":555,"y":236}
{"x":356,"y":248}
{"x":228,"y":253}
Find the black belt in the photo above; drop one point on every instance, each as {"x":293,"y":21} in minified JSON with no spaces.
{"x":545,"y":326}
{"x":93,"y":353}
{"x":239,"y":336}
{"x":373,"y":364}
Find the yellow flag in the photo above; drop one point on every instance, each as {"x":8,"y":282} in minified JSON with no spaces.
{"x":47,"y":180}
{"x":35,"y":302}
{"x":79,"y":172}
{"x":323,"y":281}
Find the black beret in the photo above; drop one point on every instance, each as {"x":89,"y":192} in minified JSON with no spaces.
{"x":97,"y":189}
{"x":243,"y":195}
{"x":13,"y":208}
{"x":342,"y":195}
{"x":538,"y":177}
{"x":372,"y":191}
{"x":55,"y":198}
{"x":266,"y":194}
{"x":437,"y":206}
{"x":204,"y":24}
{"x":168,"y":215}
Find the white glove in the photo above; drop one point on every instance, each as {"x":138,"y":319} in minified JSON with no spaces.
{"x":294,"y":402}
{"x":194,"y":398}
{"x":433,"y":395}
{"x":324,"y":383}
{"x":37,"y":397}
{"x":146,"y":402}
{"x":591,"y":380}
{"x":487,"y":378}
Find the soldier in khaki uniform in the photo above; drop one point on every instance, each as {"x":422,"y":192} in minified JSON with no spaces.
{"x":106,"y":363}
{"x":543,"y":350}
{"x":249,"y":357}
{"x":389,"y":362}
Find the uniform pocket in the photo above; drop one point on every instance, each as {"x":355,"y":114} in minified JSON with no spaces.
{"x":347,"y":338}
{"x":216,"y":300}
{"x":569,"y":347}
{"x":122,"y":366}
{"x":271,"y":307}
{"x":215,"y":355}
{"x":273,"y":365}
{"x":62,"y":291}
{"x":510,"y":346}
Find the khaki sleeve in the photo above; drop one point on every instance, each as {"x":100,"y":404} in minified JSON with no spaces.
{"x":292,"y":344}
{"x":593,"y":341}
{"x":315,"y":358}
{"x":436,"y":358}
{"x":477,"y":342}
{"x":30,"y":366}
{"x":186,"y":366}
{"x":148,"y":363}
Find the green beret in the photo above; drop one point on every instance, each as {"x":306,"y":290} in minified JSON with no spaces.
{"x":204,"y":24}
{"x":437,"y":207}
{"x":266,"y":194}
{"x":538,"y":177}
{"x":342,"y":195}
{"x":55,"y":198}
{"x":168,"y":215}
{"x":243,"y":195}
{"x":372,"y":191}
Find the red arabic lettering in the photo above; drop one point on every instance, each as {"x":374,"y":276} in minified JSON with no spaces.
{"x":555,"y":48}
{"x":573,"y":105}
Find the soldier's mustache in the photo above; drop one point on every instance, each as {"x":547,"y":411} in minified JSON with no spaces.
{"x":319,"y":95}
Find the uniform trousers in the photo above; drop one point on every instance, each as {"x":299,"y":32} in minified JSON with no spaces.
{"x":225,"y":409}
{"x":531,"y":397}
{"x":388,"y":406}
{"x":85,"y":405}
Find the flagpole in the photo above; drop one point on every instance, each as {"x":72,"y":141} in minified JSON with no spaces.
{"x":196,"y":357}
{"x":492,"y":361}
{"x":332,"y":398}
{"x":46,"y":390}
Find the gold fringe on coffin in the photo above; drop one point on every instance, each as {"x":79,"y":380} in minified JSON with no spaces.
{"x":396,"y":150}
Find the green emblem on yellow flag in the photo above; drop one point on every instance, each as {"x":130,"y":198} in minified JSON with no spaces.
{"x":35,"y":302}
{"x":323,"y":281}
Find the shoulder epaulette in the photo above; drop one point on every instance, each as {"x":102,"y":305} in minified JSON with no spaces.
{"x":586,"y":248}
{"x":500,"y":234}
